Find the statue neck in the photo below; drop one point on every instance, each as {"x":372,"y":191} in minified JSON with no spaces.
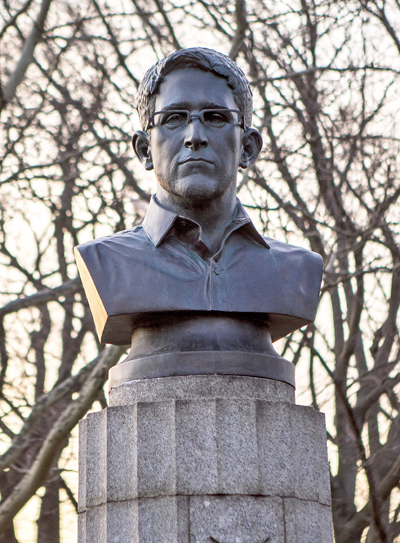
{"x":212,"y":215}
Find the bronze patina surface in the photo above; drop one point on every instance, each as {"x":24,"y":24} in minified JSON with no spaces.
{"x":196,"y":289}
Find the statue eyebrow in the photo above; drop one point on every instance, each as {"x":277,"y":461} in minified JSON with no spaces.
{"x":188,"y":105}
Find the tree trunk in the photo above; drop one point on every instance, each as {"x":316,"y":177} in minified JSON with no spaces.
{"x":49,"y":520}
{"x":8,"y":536}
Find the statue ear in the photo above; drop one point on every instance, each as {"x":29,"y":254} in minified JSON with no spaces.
{"x":141,"y":146}
{"x":252,"y":144}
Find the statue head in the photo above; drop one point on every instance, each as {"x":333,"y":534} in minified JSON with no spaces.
{"x":201,"y":58}
{"x":196,"y":109}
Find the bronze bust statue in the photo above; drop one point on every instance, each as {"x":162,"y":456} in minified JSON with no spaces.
{"x":196,"y":289}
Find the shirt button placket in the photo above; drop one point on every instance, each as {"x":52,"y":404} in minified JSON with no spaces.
{"x":214,"y":267}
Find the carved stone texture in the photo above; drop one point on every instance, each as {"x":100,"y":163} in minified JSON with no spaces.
{"x":201,"y":387}
{"x":244,"y":519}
{"x":227,"y":465}
{"x":206,"y":519}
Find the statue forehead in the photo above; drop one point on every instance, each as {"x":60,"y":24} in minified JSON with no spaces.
{"x":193,"y":85}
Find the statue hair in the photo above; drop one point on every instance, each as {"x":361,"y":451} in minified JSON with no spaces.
{"x":202,"y":59}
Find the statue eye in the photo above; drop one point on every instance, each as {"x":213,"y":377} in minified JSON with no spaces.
{"x":173,"y":120}
{"x":217,"y":118}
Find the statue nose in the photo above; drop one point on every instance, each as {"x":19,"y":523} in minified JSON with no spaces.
{"x":195,"y":136}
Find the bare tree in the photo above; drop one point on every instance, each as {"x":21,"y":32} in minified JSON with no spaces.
{"x":325,"y":76}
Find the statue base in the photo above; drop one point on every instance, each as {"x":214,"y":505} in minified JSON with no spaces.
{"x":203,"y":363}
{"x":202,"y":344}
{"x":201,"y":459}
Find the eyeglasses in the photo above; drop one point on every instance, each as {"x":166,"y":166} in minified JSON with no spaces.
{"x":213,"y":118}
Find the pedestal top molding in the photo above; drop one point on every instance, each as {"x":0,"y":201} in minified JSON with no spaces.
{"x":197,"y":387}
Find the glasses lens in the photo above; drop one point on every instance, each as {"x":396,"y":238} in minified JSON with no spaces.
{"x":171,"y":119}
{"x":217,"y":118}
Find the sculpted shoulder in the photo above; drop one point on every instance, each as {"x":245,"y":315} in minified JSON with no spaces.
{"x":135,"y":239}
{"x":115,"y":242}
{"x":286,"y":250}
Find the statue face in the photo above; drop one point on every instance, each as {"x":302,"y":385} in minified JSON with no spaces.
{"x":195,"y":162}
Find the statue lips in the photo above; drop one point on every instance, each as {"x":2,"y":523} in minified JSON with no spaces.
{"x":196,"y":164}
{"x":192,"y":159}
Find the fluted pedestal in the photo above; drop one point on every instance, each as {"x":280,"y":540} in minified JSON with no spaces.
{"x":201,"y":459}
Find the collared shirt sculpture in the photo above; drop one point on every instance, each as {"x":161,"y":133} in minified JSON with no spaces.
{"x":196,"y":289}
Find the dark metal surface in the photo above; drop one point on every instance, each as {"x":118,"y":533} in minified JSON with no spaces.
{"x":195,"y":288}
{"x":203,"y":363}
{"x":203,"y":332}
{"x":202,"y":345}
{"x":136,"y":275}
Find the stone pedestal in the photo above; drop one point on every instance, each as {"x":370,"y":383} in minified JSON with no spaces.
{"x":202,"y":459}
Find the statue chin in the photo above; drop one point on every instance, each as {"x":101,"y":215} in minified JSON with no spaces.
{"x":194,"y":191}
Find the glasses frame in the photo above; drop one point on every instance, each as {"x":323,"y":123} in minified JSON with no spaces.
{"x":199,"y":116}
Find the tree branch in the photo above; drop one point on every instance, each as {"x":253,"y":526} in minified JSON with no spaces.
{"x":241,"y":27}
{"x":26,"y":57}
{"x":42,"y":297}
{"x":11,"y":21}
{"x":77,"y":409}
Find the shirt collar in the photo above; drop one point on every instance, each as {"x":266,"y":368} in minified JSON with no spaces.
{"x":159,"y":220}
